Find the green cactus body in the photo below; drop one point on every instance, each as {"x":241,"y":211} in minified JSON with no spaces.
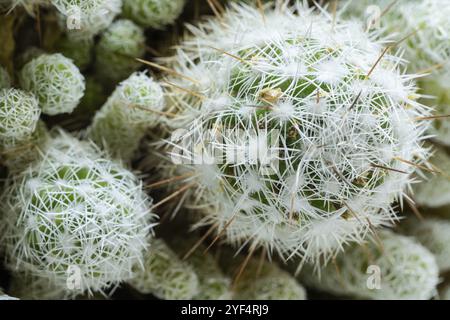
{"x":165,"y":275}
{"x":397,"y":267}
{"x":55,"y":81}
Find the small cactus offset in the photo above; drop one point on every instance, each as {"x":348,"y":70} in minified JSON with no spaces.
{"x":124,"y":119}
{"x":75,"y":209}
{"x":213,"y":283}
{"x":55,"y":81}
{"x":434,"y":234}
{"x":434,"y":191}
{"x":345,"y":143}
{"x":390,"y":267}
{"x":19,"y":115}
{"x":258,"y":279}
{"x":165,"y":275}
{"x":21,"y":133}
{"x":153,"y":13}
{"x":117,"y":50}
{"x":85,"y":19}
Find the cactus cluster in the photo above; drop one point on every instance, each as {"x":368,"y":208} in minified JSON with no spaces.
{"x":433,"y":234}
{"x":273,"y":150}
{"x":435,"y":192}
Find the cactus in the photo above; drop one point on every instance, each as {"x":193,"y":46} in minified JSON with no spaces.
{"x":434,"y":234}
{"x":438,"y":98}
{"x":434,"y":192}
{"x":260,"y":280}
{"x":55,"y":81}
{"x":425,"y":27}
{"x":213,"y":284}
{"x":153,"y":13}
{"x":85,"y":19}
{"x":127,"y":114}
{"x":165,"y":275}
{"x":19,"y":115}
{"x":21,"y":133}
{"x":331,"y":99}
{"x":401,"y":269}
{"x":75,"y":209}
{"x":117,"y":50}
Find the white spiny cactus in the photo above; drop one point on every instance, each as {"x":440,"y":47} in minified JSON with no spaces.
{"x":425,"y":29}
{"x":390,"y":267}
{"x":129,"y":112}
{"x":75,"y":211}
{"x":55,"y":81}
{"x":434,"y":234}
{"x":434,"y":192}
{"x":213,"y":283}
{"x":117,"y":50}
{"x":165,"y":275}
{"x":335,"y":102}
{"x":85,"y":19}
{"x":19,"y":115}
{"x":5,"y":81}
{"x":153,"y":13}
